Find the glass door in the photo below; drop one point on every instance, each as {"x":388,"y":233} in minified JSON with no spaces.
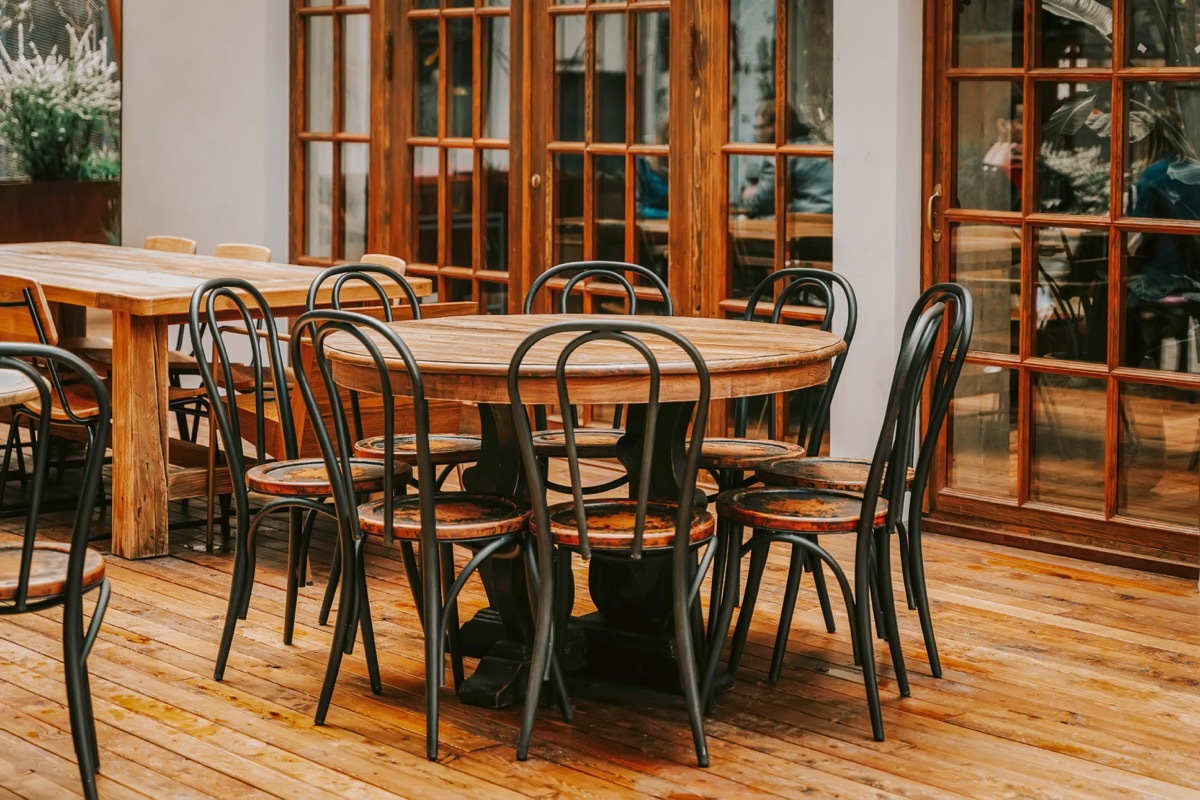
{"x":1063,"y":177}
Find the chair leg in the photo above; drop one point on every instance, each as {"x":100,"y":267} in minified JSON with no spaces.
{"x":240,"y":567}
{"x":921,"y":598}
{"x":758,"y":561}
{"x":817,"y":570}
{"x":795,"y":571}
{"x":863,"y":579}
{"x":413,"y":572}
{"x":453,"y":639}
{"x":346,"y":620}
{"x":887,"y":603}
{"x":543,"y":581}
{"x":723,"y":617}
{"x":293,"y":572}
{"x":368,"y":629}
{"x":435,"y":637}
{"x":684,"y":655}
{"x":905,"y":566}
{"x":79,"y":705}
{"x":335,"y":573}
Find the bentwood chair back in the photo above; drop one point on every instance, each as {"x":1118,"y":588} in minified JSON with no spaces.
{"x":35,"y":574}
{"x":640,"y":527}
{"x":484,"y":524}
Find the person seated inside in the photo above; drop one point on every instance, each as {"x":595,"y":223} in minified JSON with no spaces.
{"x":810,"y":180}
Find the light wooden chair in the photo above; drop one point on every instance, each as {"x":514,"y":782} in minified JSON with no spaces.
{"x":382,"y":260}
{"x":245,"y":252}
{"x":170,"y":244}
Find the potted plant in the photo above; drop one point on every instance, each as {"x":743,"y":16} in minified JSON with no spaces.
{"x":58,"y":115}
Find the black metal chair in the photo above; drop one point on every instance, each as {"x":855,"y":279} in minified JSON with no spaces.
{"x":435,"y":521}
{"x":37,"y":575}
{"x":298,"y":485}
{"x":591,"y":442}
{"x":798,"y":515}
{"x":637,"y":528}
{"x":849,"y":474}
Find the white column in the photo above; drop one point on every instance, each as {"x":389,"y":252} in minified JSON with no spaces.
{"x":205,"y":123}
{"x":876,"y":198}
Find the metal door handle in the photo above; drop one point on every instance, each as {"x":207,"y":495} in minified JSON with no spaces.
{"x":935,"y":233}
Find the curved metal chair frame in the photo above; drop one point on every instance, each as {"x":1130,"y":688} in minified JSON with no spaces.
{"x":555,"y":591}
{"x":77,"y":642}
{"x":886,"y":479}
{"x":212,"y":301}
{"x":435,"y":555}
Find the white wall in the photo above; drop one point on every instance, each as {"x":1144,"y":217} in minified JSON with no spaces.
{"x":205,"y":122}
{"x":876,"y":198}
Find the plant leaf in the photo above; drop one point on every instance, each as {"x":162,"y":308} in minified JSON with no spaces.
{"x":1141,"y":123}
{"x":1089,"y":12}
{"x":1069,"y":117}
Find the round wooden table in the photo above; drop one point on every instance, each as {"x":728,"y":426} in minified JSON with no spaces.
{"x":467,"y":358}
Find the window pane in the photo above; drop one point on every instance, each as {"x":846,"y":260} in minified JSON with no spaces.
{"x":458,"y":291}
{"x":751,"y":70}
{"x":751,"y":233}
{"x":568,"y":207}
{"x":1160,"y":445}
{"x":1162,"y":124}
{"x":493,"y":298}
{"x":986,"y":259}
{"x":355,"y":168}
{"x":809,"y":225}
{"x":460,"y":40}
{"x":988,"y":149}
{"x":425,"y":202}
{"x":495,"y":192}
{"x":1076,"y":34}
{"x":608,"y":91}
{"x":1068,"y":441}
{"x":651,"y":194}
{"x":610,"y":207}
{"x":319,"y":57}
{"x":990,"y":33}
{"x":809,"y":188}
{"x":652,"y":87}
{"x":318,"y":196}
{"x":1074,"y":148}
{"x":356,"y":79}
{"x":1072,"y":294}
{"x":426,"y":70}
{"x":569,"y":52}
{"x":460,"y":165}
{"x":1162,"y":301}
{"x":810,"y":72}
{"x":497,"y":38}
{"x":983,"y":431}
{"x":1164,"y":34}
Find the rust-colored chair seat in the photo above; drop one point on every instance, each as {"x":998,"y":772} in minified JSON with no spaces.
{"x":845,"y":474}
{"x":461,"y":516}
{"x":444,"y":448}
{"x":610,"y":524}
{"x":796,"y":509}
{"x":79,"y":399}
{"x":744,"y":454}
{"x":307,"y":477}
{"x":590,"y":442}
{"x":48,"y":573}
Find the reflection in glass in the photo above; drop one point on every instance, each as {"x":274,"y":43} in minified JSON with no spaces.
{"x":425,"y":32}
{"x":355,"y":167}
{"x":609,"y":178}
{"x":460,"y":168}
{"x":809,"y":188}
{"x":608,"y":90}
{"x":652,"y":94}
{"x":356,"y":79}
{"x":983,"y":431}
{"x":1072,"y":294}
{"x":989,"y":34}
{"x":318,"y":167}
{"x":751,"y":68}
{"x":319,"y":54}
{"x":458,"y":291}
{"x":810,"y":71}
{"x":495,"y":80}
{"x":1074,"y":146}
{"x":809,"y":224}
{"x":986,"y":259}
{"x":1162,"y":123}
{"x":752,"y":240}
{"x":568,"y":207}
{"x":651,"y":193}
{"x":569,"y":54}
{"x":1068,"y":441}
{"x":988,"y":149}
{"x":1160,"y":446}
{"x":493,"y":298}
{"x":460,"y":41}
{"x":1076,"y":34}
{"x":1162,"y":302}
{"x":1163,"y":34}
{"x":495,"y":194}
{"x":425,"y":202}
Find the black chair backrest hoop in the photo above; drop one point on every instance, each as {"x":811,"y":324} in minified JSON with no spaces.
{"x":367,"y":274}
{"x":635,"y":334}
{"x":383,"y":346}
{"x":17,"y":356}
{"x":810,"y":284}
{"x":610,"y":271}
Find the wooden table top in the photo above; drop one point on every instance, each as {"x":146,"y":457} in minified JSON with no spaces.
{"x":467,"y":358}
{"x":15,"y":388}
{"x":150,"y":283}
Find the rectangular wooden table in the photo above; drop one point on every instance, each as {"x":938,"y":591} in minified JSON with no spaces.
{"x":147,"y":291}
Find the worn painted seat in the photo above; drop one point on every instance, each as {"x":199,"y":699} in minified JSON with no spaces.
{"x":444,"y":448}
{"x":848,"y":474}
{"x":611,"y":525}
{"x":590,"y":442}
{"x":461,"y":516}
{"x":307,"y":477}
{"x":743,"y":454}
{"x":48,"y":570}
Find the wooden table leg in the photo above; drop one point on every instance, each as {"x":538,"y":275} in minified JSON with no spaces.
{"x":139,"y":436}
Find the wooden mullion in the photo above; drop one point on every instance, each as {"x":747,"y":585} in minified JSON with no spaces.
{"x":345,"y":138}
{"x":337,"y":215}
{"x":297,"y":161}
{"x":1029,"y":127}
{"x":589,"y":136}
{"x":781,"y":134}
{"x":382,"y":74}
{"x":443,"y":169}
{"x":631,"y":223}
{"x":478,"y":198}
{"x":1071,"y":74}
{"x":403,"y":234}
{"x":1116,"y":321}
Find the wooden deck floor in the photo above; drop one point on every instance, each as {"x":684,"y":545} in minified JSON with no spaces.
{"x":1063,"y":679}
